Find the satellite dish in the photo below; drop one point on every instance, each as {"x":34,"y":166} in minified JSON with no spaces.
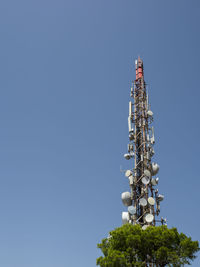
{"x":126,"y":198}
{"x":155,"y":168}
{"x":143,"y":202}
{"x":154,"y":181}
{"x":128,"y":173}
{"x":145,"y":180}
{"x":144,"y":227}
{"x":160,"y":197}
{"x":151,"y":201}
{"x":127,"y":156}
{"x":125,"y":217}
{"x":149,"y":218}
{"x":131,"y":210}
{"x":147,"y":173}
{"x":149,"y":113}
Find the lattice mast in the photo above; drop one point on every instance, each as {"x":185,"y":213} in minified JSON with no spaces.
{"x":143,"y":200}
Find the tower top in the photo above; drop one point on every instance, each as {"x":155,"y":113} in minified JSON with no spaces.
{"x":139,"y":68}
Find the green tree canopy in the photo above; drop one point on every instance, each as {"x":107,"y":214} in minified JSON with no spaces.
{"x":159,"y":246}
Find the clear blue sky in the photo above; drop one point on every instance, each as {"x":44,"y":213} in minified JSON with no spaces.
{"x":65,"y":73}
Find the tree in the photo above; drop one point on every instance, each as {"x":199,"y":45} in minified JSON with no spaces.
{"x":159,"y":246}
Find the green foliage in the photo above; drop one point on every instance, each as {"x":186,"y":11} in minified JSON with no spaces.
{"x":129,"y":246}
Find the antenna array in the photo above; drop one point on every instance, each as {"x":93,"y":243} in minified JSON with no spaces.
{"x":143,"y":200}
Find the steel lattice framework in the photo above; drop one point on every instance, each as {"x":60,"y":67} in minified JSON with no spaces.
{"x":143,"y":200}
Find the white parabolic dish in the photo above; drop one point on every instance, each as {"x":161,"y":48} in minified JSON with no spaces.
{"x":143,"y":202}
{"x":155,"y":168}
{"x":126,"y":198}
{"x":149,"y":113}
{"x":147,"y":173}
{"x":149,"y":218}
{"x":128,"y":173}
{"x":153,"y":181}
{"x":131,"y":210}
{"x":145,"y":180}
{"x":125,"y":217}
{"x":151,"y":201}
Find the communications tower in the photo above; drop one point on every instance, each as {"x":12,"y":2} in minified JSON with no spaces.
{"x":143,"y":199}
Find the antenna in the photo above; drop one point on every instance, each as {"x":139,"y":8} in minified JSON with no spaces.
{"x":143,"y":200}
